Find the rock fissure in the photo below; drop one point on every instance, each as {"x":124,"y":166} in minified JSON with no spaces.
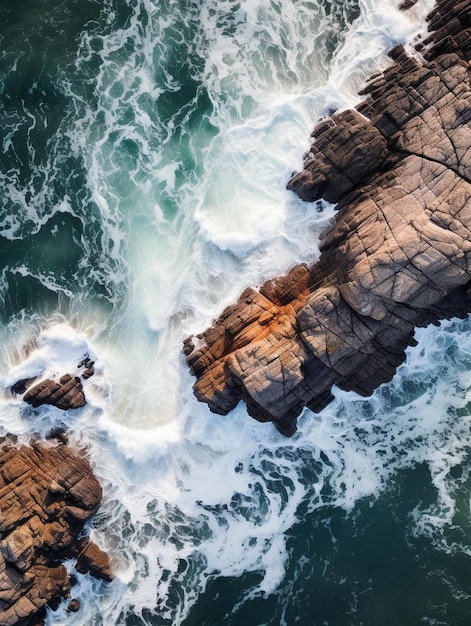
{"x":432,"y":160}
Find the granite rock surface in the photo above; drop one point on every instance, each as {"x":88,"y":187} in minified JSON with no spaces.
{"x":397,"y":255}
{"x":47,"y":494}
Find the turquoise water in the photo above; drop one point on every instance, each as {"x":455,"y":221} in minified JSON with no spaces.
{"x":146,"y":148}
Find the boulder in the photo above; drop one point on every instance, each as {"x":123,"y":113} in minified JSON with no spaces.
{"x":407,"y":4}
{"x":66,"y":393}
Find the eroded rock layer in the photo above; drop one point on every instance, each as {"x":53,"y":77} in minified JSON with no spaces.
{"x":47,"y":493}
{"x":397,"y":256}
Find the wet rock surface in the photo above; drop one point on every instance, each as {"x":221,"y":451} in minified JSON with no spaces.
{"x":47,"y":494}
{"x":397,"y":256}
{"x":65,"y":393}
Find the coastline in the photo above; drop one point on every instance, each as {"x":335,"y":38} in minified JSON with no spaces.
{"x":396,"y":256}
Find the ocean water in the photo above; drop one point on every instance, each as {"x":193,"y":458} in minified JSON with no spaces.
{"x":146,"y":148}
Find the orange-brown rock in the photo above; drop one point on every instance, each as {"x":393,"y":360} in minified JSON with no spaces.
{"x":47,"y":493}
{"x":93,"y":560}
{"x":66,"y":393}
{"x":397,"y":255}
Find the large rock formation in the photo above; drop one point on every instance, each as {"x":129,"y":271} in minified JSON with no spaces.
{"x":47,"y":493}
{"x":397,"y":256}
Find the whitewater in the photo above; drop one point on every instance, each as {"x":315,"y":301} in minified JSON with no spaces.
{"x":143,"y":188}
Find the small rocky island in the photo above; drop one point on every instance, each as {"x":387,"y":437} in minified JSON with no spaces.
{"x":397,"y":255}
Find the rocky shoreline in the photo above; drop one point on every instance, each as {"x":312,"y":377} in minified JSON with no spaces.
{"x":48,"y":493}
{"x":397,"y":255}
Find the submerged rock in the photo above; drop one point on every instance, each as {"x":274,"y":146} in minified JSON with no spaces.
{"x":397,"y":256}
{"x":407,"y":4}
{"x":47,"y":494}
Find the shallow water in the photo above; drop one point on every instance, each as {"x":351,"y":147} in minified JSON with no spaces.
{"x":146,"y":148}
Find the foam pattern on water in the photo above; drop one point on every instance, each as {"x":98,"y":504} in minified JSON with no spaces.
{"x":216,"y":496}
{"x":184,"y":123}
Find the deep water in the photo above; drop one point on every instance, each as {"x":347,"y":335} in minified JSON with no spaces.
{"x":145,"y":150}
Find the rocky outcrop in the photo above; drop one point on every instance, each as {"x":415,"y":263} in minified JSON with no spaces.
{"x":65,"y":393}
{"x":47,"y":494}
{"x":397,"y":256}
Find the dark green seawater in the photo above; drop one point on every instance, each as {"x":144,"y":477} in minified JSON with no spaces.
{"x":145,"y":150}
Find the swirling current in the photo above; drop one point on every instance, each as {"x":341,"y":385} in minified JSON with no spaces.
{"x":145,"y":150}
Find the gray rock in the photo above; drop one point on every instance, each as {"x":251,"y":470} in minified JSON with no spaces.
{"x":397,"y":256}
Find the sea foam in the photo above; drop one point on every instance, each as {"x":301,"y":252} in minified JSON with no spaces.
{"x":187,"y":124}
